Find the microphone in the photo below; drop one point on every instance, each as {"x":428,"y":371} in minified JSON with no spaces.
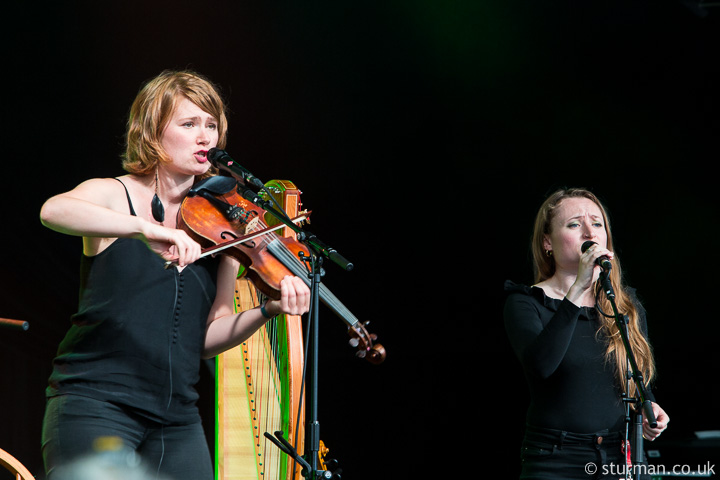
{"x":220,"y":159}
{"x":603,"y":261}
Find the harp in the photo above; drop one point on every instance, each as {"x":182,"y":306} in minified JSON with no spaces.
{"x":258,"y":384}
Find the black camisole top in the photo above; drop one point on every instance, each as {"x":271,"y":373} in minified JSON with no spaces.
{"x":137,"y":337}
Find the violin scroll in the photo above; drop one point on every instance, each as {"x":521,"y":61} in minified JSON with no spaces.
{"x":363,"y":341}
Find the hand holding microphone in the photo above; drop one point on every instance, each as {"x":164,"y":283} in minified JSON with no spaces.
{"x":603,"y":261}
{"x":587,"y":273}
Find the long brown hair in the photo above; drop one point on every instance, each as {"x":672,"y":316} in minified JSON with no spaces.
{"x":544,"y":267}
{"x":154,"y":106}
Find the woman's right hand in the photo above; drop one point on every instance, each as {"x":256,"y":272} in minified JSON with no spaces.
{"x":171,"y":244}
{"x":588,"y":272}
{"x":97,"y":210}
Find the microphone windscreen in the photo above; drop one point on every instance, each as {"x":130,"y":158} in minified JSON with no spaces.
{"x":587,"y":245}
{"x":214,"y":155}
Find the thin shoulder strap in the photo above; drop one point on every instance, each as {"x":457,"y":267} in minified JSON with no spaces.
{"x":132,"y":210}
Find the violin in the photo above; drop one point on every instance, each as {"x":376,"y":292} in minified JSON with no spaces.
{"x":215,"y":215}
{"x":221,"y":220}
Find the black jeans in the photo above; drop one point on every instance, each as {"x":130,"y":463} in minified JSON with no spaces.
{"x":555,"y":454}
{"x":74,"y":424}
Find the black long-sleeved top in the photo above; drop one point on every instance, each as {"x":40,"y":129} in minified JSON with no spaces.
{"x":562,"y":352}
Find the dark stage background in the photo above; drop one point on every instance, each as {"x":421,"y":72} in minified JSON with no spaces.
{"x":424,"y":135}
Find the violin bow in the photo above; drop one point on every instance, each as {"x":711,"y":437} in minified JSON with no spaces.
{"x":245,"y":238}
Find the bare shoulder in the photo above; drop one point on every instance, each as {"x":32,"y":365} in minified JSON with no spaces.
{"x":97,"y":187}
{"x":106,"y":192}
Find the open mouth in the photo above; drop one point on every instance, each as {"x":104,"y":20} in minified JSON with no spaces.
{"x":201,"y":156}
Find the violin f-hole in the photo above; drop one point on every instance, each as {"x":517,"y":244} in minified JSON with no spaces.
{"x":225,"y":235}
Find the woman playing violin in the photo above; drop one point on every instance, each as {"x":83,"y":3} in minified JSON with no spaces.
{"x":129,"y":362}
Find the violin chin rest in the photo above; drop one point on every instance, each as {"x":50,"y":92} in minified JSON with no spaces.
{"x":217,"y":185}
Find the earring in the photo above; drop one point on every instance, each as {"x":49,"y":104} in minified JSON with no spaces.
{"x":548,"y":253}
{"x":158,"y":209}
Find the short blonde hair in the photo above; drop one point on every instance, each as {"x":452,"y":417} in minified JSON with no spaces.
{"x":154,"y":106}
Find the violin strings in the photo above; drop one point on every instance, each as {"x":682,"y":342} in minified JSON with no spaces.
{"x":287,"y":258}
{"x":280,"y":251}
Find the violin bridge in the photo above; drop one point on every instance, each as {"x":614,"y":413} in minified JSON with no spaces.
{"x":247,"y":218}
{"x":252,"y":225}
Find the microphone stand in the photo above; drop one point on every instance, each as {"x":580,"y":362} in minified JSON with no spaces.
{"x":307,"y":238}
{"x":318,"y":250}
{"x":642,"y":404}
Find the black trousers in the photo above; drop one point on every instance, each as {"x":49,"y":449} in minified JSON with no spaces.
{"x":556,"y":455}
{"x":74,"y":425}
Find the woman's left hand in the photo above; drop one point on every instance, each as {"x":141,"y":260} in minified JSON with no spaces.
{"x":294,"y":298}
{"x":662,"y":418}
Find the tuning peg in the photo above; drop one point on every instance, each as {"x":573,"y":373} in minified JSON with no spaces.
{"x":376,"y":354}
